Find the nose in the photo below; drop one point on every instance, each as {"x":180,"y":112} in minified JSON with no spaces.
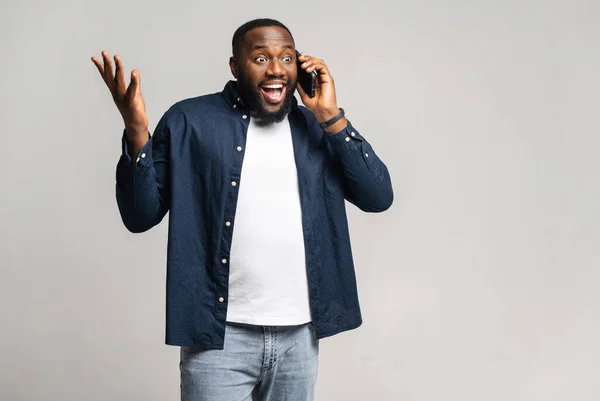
{"x":275,"y":69}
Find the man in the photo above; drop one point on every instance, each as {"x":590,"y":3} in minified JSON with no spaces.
{"x":259,"y":261}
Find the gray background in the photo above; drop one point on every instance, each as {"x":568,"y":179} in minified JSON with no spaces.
{"x":480,"y":283}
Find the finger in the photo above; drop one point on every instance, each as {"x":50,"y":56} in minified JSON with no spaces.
{"x":99,"y":66}
{"x":135,"y":84}
{"x":317,"y":65}
{"x":313,"y":67}
{"x":108,"y":71}
{"x":119,"y":77}
{"x":305,"y":57}
{"x":306,"y":60}
{"x":312,"y":61}
{"x":323,"y":76}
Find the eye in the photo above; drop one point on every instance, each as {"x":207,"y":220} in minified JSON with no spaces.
{"x":287,"y":59}
{"x":261,"y":59}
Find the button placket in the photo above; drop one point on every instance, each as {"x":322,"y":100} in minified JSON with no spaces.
{"x":234,"y":183}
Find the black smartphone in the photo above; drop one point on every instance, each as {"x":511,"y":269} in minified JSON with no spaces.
{"x":308,"y":81}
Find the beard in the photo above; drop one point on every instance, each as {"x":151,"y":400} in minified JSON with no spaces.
{"x":252,"y":98}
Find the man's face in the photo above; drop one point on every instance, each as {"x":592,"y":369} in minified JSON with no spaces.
{"x":266,"y":72}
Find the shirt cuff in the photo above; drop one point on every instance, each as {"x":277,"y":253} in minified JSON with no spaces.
{"x":347,"y":137}
{"x":142,"y":156}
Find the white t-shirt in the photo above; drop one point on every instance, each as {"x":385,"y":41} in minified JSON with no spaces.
{"x":267,"y":277}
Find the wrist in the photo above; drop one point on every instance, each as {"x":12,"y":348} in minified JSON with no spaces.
{"x":328,"y":114}
{"x":337,"y":126}
{"x":332,"y":123}
{"x":137,"y":136}
{"x":136,"y":133}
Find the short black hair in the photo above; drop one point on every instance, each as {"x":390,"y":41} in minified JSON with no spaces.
{"x":240,"y":33}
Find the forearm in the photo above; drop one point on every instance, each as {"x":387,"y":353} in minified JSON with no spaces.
{"x":141,"y":191}
{"x":367,"y":178}
{"x":136,"y":137}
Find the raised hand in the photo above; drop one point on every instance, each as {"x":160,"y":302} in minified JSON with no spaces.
{"x":128,"y":100}
{"x":324,"y":104}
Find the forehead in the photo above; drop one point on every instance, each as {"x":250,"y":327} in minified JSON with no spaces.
{"x":267,"y":36}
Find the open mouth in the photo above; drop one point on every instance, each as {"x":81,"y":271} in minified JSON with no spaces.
{"x":273,"y":93}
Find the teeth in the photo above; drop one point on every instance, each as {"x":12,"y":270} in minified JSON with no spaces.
{"x":274,"y":86}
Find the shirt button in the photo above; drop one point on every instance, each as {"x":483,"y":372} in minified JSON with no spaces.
{"x":234,"y":106}
{"x":353,"y":134}
{"x":228,"y":223}
{"x":244,"y":116}
{"x":233,"y":183}
{"x":239,"y":148}
{"x":224,"y":261}
{"x":366,"y":155}
{"x":137,"y":160}
{"x":221,"y":299}
{"x":347,"y":139}
{"x":143,"y":155}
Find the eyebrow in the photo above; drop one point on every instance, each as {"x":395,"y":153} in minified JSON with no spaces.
{"x":255,"y":47}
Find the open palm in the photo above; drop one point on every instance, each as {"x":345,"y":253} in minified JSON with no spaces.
{"x":128,"y":99}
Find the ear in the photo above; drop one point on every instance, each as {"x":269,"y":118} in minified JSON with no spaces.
{"x":233,"y":67}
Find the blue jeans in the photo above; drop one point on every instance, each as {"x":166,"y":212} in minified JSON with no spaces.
{"x":257,"y":363}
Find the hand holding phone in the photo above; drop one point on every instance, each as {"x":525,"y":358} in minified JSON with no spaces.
{"x":308,"y":81}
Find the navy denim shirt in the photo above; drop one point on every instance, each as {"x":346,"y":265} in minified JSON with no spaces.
{"x":191,"y":168}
